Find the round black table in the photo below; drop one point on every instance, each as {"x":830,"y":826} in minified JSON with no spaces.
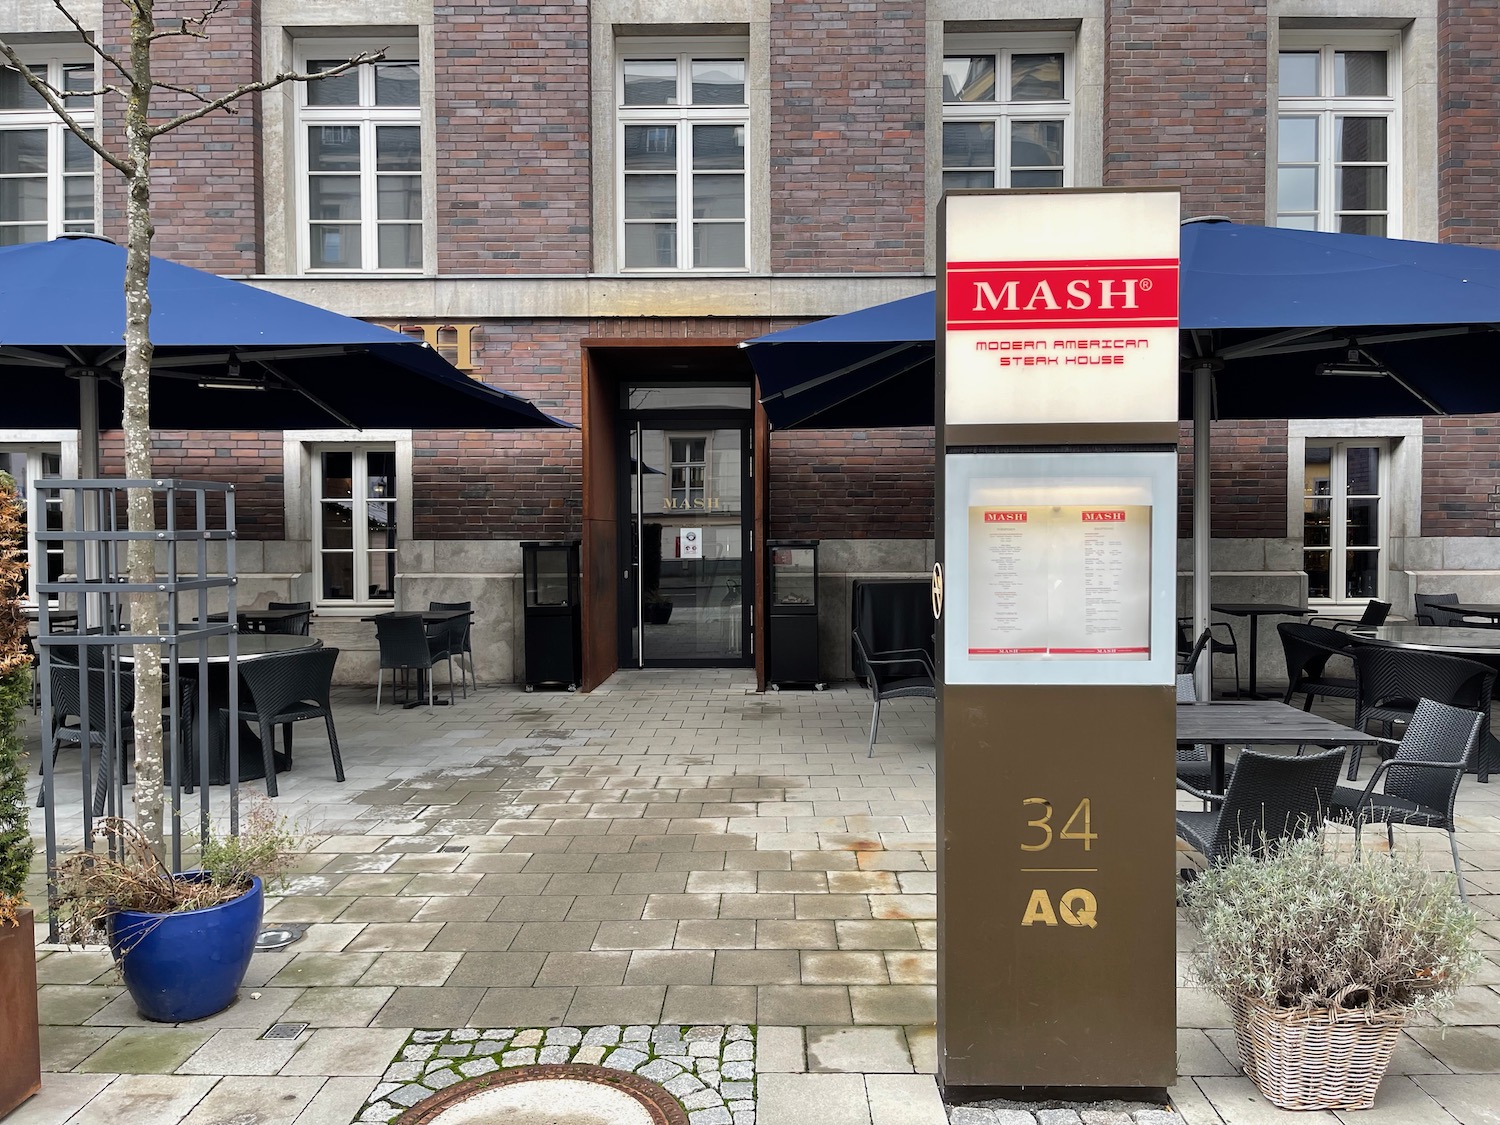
{"x":248,"y":646}
{"x":1479,"y":645}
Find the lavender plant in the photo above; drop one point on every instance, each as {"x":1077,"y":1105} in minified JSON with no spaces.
{"x":1304,"y":928}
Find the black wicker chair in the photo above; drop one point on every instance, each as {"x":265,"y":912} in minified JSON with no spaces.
{"x":1374,"y":614}
{"x":1271,"y":798}
{"x":67,"y":703}
{"x":1421,"y":781}
{"x":405,"y":644}
{"x":1430,"y":611}
{"x":897,"y":674}
{"x":465,"y":650}
{"x":1391,"y":681}
{"x":1308,"y":649}
{"x":299,"y":626}
{"x":286,"y":689}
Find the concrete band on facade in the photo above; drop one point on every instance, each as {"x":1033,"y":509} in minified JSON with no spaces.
{"x":522,"y":273}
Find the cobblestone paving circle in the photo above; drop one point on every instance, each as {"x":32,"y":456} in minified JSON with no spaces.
{"x":708,"y":1069}
{"x":659,"y":1106}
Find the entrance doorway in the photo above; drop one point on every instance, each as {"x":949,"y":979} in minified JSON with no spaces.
{"x":686,"y":525}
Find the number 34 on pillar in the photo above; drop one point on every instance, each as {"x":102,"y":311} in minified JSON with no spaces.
{"x":1076,"y":907}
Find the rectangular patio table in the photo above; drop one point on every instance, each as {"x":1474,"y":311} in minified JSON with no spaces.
{"x":1476,"y":609}
{"x":256,"y":620}
{"x":1257,"y":722}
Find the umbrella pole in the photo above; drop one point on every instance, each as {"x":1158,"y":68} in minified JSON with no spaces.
{"x":88,"y":427}
{"x":1202,"y":526}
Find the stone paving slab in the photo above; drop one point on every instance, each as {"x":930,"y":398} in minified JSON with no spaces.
{"x":671,"y":849}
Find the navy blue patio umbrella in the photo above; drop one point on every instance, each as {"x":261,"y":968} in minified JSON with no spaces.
{"x":1290,"y":324}
{"x":227,"y":355}
{"x":1274,"y":323}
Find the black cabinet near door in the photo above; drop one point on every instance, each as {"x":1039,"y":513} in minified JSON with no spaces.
{"x":792,"y":615}
{"x":554,"y":649}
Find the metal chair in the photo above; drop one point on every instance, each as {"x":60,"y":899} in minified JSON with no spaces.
{"x":404,"y":643}
{"x":1221,"y":639}
{"x":466,"y":648}
{"x":1421,"y":780}
{"x":1390,"y":682}
{"x":1374,"y":614}
{"x":299,"y":626}
{"x":286,"y":689}
{"x":1430,"y":611}
{"x":1270,"y":798}
{"x":898,"y":674}
{"x":1308,"y":649}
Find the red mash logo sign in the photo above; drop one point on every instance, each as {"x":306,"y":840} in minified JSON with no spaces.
{"x":1122,"y":294}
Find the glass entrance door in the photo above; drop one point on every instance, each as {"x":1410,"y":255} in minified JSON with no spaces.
{"x":686,"y":594}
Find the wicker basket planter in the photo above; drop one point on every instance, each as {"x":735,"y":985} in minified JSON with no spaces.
{"x":1315,"y":1059}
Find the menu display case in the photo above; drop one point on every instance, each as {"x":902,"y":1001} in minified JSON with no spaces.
{"x":554,"y":649}
{"x":792,"y":615}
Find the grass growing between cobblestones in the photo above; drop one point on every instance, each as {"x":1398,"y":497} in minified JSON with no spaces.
{"x":709,"y":1069}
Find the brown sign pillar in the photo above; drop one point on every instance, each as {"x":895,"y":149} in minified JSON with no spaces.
{"x":1055,"y":595}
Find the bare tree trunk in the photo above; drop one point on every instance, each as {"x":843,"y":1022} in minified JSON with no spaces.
{"x":145,"y":611}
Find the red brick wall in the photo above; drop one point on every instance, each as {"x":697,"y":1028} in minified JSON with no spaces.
{"x":249,"y":461}
{"x":512,"y":88}
{"x":1185,"y":103}
{"x":1468,"y":148}
{"x":1248,"y":486}
{"x":852,"y":484}
{"x":206,"y":176}
{"x":1461,"y":475}
{"x":847,"y":143}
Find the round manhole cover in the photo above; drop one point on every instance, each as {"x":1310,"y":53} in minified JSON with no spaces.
{"x":550,"y":1094}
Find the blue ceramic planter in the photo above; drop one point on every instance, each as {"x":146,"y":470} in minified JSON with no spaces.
{"x":187,"y":966}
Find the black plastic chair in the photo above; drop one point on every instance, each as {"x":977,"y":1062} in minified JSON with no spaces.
{"x":899,"y":674}
{"x":1271,"y":798}
{"x":299,"y":626}
{"x":1390,"y":682}
{"x":286,"y":689}
{"x":405,"y":644}
{"x":1308,"y":649}
{"x":1374,"y":614}
{"x":1421,"y":780}
{"x":465,"y":649}
{"x":1430,"y":611}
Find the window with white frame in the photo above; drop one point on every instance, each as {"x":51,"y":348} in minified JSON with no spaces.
{"x":1337,"y":157}
{"x":1344,"y":519}
{"x":354,"y":507}
{"x":1007,"y":111}
{"x":46,"y":173}
{"x":689,"y":466}
{"x":682,"y":115}
{"x":43,"y":512}
{"x":359,"y":154}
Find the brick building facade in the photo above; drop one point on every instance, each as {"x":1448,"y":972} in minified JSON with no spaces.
{"x":512,"y":197}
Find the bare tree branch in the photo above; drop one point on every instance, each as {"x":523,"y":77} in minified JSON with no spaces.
{"x":183,"y":90}
{"x":265,"y":84}
{"x":89,"y":41}
{"x":55,"y":103}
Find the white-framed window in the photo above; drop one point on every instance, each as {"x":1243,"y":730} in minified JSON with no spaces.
{"x":1338,"y":141}
{"x":44,"y":511}
{"x":688,"y":470}
{"x":358,"y":147}
{"x":1345,"y":518}
{"x":682,"y":115}
{"x":47,"y":175}
{"x":355,"y":504}
{"x":1007,"y":111}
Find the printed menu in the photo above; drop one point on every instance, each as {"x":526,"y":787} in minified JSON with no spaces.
{"x":1065,"y":581}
